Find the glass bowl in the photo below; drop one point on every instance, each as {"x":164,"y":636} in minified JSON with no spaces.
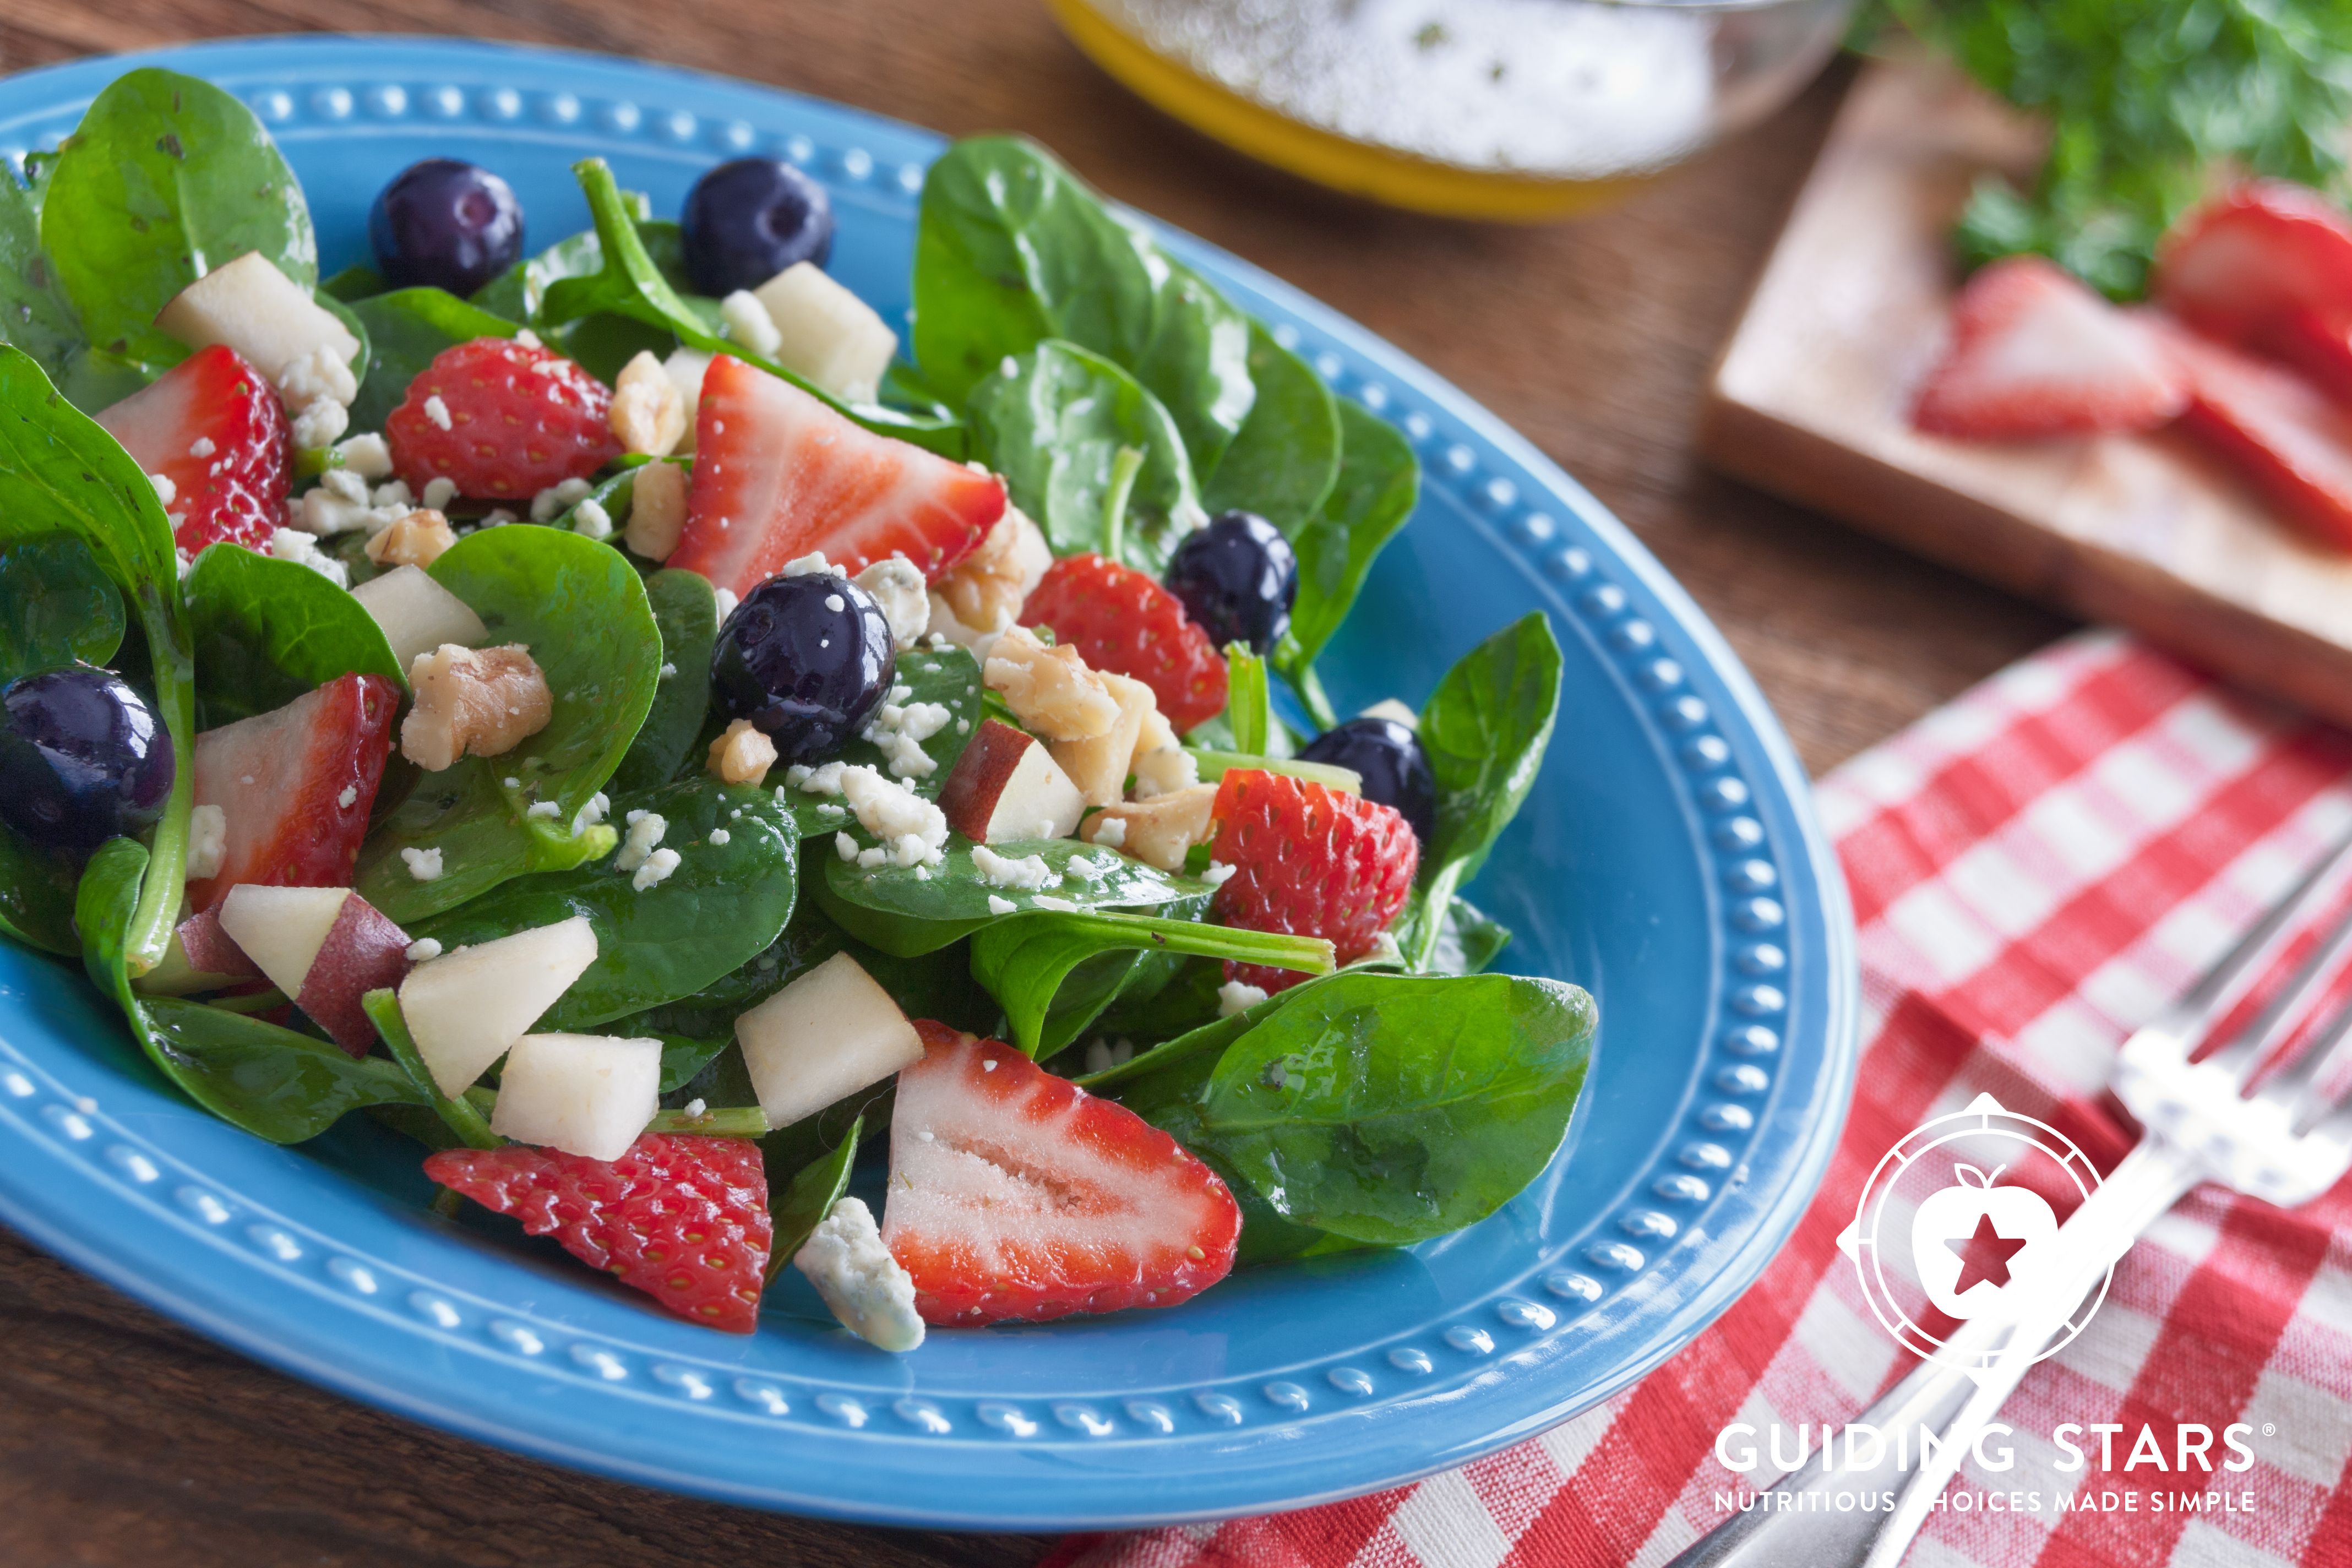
{"x":1522,"y":110}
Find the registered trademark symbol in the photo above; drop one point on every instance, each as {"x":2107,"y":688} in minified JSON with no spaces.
{"x":2268,"y":1429}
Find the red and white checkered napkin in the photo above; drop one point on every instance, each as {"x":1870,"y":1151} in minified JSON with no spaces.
{"x":2035,"y":869}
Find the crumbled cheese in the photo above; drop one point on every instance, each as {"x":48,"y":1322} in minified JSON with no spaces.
{"x":869,"y":858}
{"x":437,"y":411}
{"x":1000,"y":905}
{"x":669,"y":671}
{"x":528,"y":338}
{"x":424,"y":949}
{"x":201,"y":447}
{"x":1029,"y":871}
{"x":496,"y":517}
{"x":545,"y":810}
{"x":344,"y":484}
{"x":746,"y":322}
{"x":292,"y":544}
{"x":1218,"y":874}
{"x":1112,"y":833}
{"x":349,"y":798}
{"x":323,"y":512}
{"x":915,"y":829}
{"x":556,"y":500}
{"x":822,"y":780}
{"x":899,"y":589}
{"x":322,"y":375}
{"x":845,"y":846}
{"x":727,"y":603}
{"x":424,"y":864}
{"x":832,"y":602}
{"x":1060,"y":906}
{"x":321,"y":423}
{"x":806,"y":566}
{"x":860,"y":1281}
{"x":656,"y":870}
{"x":899,"y":731}
{"x":1237,"y":996}
{"x":393,"y":497}
{"x":590,"y":814}
{"x":366,"y":454}
{"x":645,"y":830}
{"x":698,"y":1106}
{"x":207,"y":841}
{"x":439,"y":491}
{"x":1086,"y":868}
{"x":591,"y":518}
{"x":165,"y":490}
{"x":721,"y":837}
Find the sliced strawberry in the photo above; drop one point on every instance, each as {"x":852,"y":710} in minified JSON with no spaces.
{"x":1015,"y":1193}
{"x":1120,"y":620}
{"x":684,"y":1219}
{"x":2264,"y":250}
{"x":502,"y":420}
{"x":2318,"y":344}
{"x":213,"y":427}
{"x":295,"y":784}
{"x":2036,"y":352}
{"x":2282,"y":434}
{"x":778,"y":475}
{"x":1311,"y":861}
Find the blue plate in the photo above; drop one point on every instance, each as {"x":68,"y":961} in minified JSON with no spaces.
{"x":1668,"y":860}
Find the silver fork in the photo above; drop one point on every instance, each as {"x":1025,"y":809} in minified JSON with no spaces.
{"x":2283,"y":1141}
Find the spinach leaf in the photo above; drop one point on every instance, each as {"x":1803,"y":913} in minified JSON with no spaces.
{"x":582,"y":611}
{"x":1198,"y":361}
{"x":948,"y":676}
{"x":166,"y":178}
{"x":1469,"y":940}
{"x":1286,"y":458}
{"x":465,"y":1122}
{"x":271,"y":1082}
{"x":1087,"y":453}
{"x":404,"y":330}
{"x":686,"y":611}
{"x":33,"y":314}
{"x":1249,"y":706}
{"x":898,"y":911}
{"x":1023,"y":959}
{"x":720,"y":910}
{"x":265,"y":631}
{"x":352,"y":284}
{"x":802,"y":1207}
{"x":36,"y":895}
{"x":682,"y":1058}
{"x":1379,"y":480}
{"x":61,"y":607}
{"x":1392,"y":1109}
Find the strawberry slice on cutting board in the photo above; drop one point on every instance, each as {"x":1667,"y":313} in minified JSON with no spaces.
{"x":2239,"y":267}
{"x":1017,"y":1194}
{"x":296,"y":785}
{"x":778,"y":475}
{"x":2036,"y":352}
{"x":2282,"y":434}
{"x":214,"y":428}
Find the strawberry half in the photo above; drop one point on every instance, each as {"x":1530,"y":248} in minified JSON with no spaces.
{"x":1311,"y":861}
{"x":1120,"y":620}
{"x":778,"y":475}
{"x":2238,"y":265}
{"x":295,"y":784}
{"x":1017,"y":1194}
{"x":2282,"y":434}
{"x":2036,"y":352}
{"x":213,"y":427}
{"x":684,"y":1219}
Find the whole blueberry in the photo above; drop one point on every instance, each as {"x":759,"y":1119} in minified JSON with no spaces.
{"x":746,"y":221}
{"x":444,"y":223}
{"x":1395,"y":770}
{"x":807,"y":660}
{"x":82,"y":758}
{"x":1237,"y":577}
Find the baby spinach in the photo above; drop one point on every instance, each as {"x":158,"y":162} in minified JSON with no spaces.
{"x":720,"y":910}
{"x":1469,"y":940}
{"x":465,"y":1122}
{"x":685,"y":612}
{"x":1379,"y":480}
{"x":898,"y":910}
{"x":405,"y":329}
{"x":265,"y":631}
{"x":1399,"y":1108}
{"x":1023,"y":960}
{"x":802,"y":1207}
{"x":352,"y":284}
{"x":1087,"y":453}
{"x":1286,"y":458}
{"x":166,"y":178}
{"x":582,"y":610}
{"x":948,"y":676}
{"x":62,"y":609}
{"x":33,"y":314}
{"x":36,"y":895}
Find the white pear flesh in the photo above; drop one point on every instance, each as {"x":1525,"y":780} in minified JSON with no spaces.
{"x":588,"y":1095}
{"x":417,"y":615}
{"x":259,"y":311}
{"x":466,"y":1008}
{"x":828,"y":335}
{"x":1007,"y":787}
{"x":832,"y":1032}
{"x":281,"y":929}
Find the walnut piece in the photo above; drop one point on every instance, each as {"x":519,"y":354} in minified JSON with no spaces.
{"x":1163,"y":770}
{"x":657,"y":510}
{"x":648,"y":410}
{"x":479,"y":701}
{"x":1049,"y":690}
{"x":413,"y":539}
{"x":742,"y":755}
{"x":988,"y":587}
{"x":1156,"y":831}
{"x":1098,"y":766}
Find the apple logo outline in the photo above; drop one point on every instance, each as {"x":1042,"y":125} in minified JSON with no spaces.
{"x":1951,"y":1215}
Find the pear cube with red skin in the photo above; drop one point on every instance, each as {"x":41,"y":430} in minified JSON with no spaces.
{"x":324,"y":947}
{"x":832,"y":1032}
{"x":466,"y":1008}
{"x":201,"y":958}
{"x":1007,"y":787}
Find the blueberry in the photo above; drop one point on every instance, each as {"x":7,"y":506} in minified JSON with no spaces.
{"x":807,"y":659}
{"x":444,"y":224}
{"x":1237,"y":577}
{"x":1395,"y":769}
{"x":82,"y":758}
{"x":746,"y":221}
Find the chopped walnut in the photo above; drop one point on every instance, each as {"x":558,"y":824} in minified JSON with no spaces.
{"x":479,"y":701}
{"x":657,"y":510}
{"x":415,"y":538}
{"x":1049,"y":690}
{"x":1098,"y":766}
{"x":742,"y":755}
{"x":1163,"y":770}
{"x":648,"y":409}
{"x":1156,"y":831}
{"x":988,"y":587}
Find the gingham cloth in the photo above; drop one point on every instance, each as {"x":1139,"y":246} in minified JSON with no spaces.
{"x":2035,"y":869}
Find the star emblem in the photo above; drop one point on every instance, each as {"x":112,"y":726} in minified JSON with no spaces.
{"x":1984,"y":1255}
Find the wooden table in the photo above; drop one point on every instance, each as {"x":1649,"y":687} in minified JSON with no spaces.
{"x":124,"y":1439}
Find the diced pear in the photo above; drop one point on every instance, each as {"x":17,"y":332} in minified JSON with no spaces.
{"x":830,"y":335}
{"x":685,"y":367}
{"x":831,"y":1032}
{"x":588,"y":1095}
{"x":467,"y":1006}
{"x":281,"y":929}
{"x":201,"y":958}
{"x":417,"y":614}
{"x":1007,"y":787}
{"x":259,"y":311}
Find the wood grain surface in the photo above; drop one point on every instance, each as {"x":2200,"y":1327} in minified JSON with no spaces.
{"x":125,"y":1440}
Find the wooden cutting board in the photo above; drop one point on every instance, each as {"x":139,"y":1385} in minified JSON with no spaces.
{"x":1812,"y":395}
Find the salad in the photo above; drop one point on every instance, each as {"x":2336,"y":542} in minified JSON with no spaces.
{"x":606,"y":713}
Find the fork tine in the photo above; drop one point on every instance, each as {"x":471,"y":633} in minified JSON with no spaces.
{"x":2294,"y":1086}
{"x":2282,"y":1014}
{"x":2225,"y":985}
